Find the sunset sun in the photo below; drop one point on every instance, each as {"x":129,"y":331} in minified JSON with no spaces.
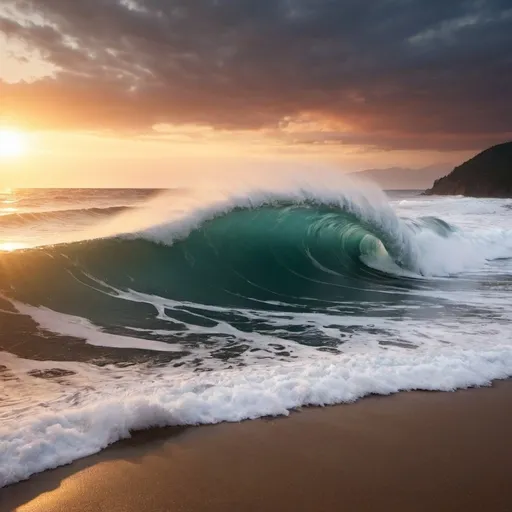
{"x":12,"y":143}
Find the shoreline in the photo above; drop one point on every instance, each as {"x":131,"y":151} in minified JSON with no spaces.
{"x":409,"y":451}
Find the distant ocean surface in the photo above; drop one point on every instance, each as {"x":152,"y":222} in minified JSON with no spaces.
{"x":127,"y":309}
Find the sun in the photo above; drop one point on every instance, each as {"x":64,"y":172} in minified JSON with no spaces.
{"x":12,"y":143}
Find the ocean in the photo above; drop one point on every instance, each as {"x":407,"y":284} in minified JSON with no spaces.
{"x":122,"y":310}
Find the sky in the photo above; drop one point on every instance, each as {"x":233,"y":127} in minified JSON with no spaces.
{"x":130,"y":92}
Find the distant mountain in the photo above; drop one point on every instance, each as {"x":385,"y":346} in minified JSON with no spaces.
{"x":488,"y":174}
{"x":403,"y":178}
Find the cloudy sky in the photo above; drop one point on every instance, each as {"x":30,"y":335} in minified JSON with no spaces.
{"x":132,"y":85}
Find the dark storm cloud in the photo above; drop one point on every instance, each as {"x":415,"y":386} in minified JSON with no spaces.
{"x":399,"y":73}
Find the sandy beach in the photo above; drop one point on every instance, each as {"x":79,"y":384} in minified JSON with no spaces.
{"x":417,"y":451}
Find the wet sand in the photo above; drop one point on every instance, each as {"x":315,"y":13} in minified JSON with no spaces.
{"x":418,"y":451}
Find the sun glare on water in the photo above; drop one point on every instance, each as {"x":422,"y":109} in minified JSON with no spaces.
{"x":11,"y":246}
{"x":12,"y":143}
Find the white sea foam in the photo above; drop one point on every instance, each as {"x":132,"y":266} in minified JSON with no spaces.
{"x":132,"y":399}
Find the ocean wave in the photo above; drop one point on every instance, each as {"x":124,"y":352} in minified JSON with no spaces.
{"x":260,"y":299}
